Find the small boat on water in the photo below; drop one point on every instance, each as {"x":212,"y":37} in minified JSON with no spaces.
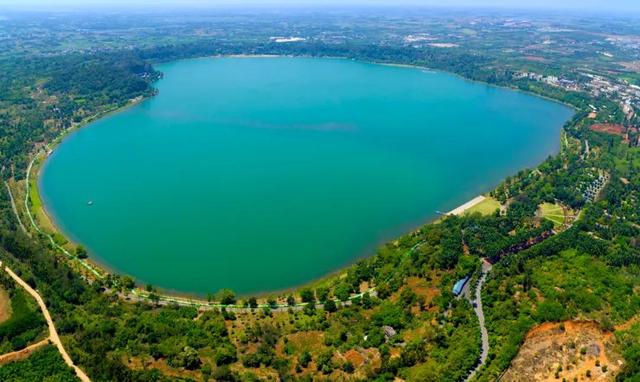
{"x":90,"y":203}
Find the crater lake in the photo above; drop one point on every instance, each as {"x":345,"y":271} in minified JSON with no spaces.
{"x":261,"y":174}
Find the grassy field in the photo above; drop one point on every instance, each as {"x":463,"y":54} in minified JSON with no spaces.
{"x":37,"y":209}
{"x":552,"y":212}
{"x":486,"y":207}
{"x":39,"y":213}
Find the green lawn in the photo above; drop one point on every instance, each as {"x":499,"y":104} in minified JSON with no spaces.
{"x":486,"y":207}
{"x":34,"y":196}
{"x":552,"y":212}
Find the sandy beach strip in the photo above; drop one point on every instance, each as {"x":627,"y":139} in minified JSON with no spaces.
{"x":460,"y":210}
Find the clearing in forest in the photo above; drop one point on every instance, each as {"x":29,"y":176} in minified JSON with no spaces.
{"x":486,"y":207}
{"x":553,"y":212}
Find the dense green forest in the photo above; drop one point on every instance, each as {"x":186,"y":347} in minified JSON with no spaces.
{"x":587,"y":269}
{"x":40,"y":98}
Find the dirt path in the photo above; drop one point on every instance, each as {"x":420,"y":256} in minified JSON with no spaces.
{"x":53,"y":333}
{"x":21,"y":354}
{"x":486,"y":267}
{"x":587,"y":150}
{"x":15,"y":209}
{"x":5,"y":305}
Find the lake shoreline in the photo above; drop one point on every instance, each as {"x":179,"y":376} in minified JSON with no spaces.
{"x":461,"y":209}
{"x":383,"y":63}
{"x":336,"y":273}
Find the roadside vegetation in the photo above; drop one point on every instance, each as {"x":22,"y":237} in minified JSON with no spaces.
{"x":25,"y":324}
{"x":392,"y":315}
{"x":45,"y":364}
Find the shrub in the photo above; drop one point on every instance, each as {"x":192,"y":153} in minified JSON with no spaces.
{"x":225,"y":355}
{"x":227,"y":297}
{"x":330,"y":306}
{"x":307,"y":295}
{"x":304,"y":359}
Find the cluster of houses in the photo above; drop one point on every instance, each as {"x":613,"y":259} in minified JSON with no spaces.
{"x":593,"y":190}
{"x":619,"y":90}
{"x":549,"y":80}
{"x":615,"y":89}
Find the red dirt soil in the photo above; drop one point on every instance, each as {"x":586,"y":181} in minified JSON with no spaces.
{"x":608,"y":128}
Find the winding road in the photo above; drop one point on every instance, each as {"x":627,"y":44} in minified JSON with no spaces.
{"x":53,"y":333}
{"x":477,"y":307}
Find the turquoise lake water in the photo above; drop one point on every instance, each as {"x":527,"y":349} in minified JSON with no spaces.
{"x":260,"y":174}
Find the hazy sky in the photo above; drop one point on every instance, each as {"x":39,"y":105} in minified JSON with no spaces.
{"x":608,"y":5}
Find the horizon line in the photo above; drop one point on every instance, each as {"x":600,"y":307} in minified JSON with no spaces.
{"x":278,"y":6}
